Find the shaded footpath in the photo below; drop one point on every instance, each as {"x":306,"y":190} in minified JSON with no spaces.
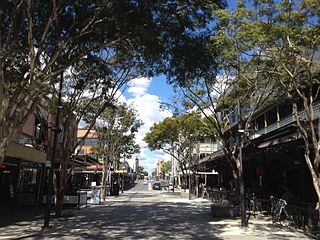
{"x":147,"y":215}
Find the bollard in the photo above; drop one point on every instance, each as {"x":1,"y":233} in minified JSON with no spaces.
{"x":149,"y":186}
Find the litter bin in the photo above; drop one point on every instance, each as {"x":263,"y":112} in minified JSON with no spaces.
{"x":115,"y":189}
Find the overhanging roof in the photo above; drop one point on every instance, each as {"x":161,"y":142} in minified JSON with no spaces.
{"x":85,"y":159}
{"x":20,"y":151}
{"x":212,"y":156}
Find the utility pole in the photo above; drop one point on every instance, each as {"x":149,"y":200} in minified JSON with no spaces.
{"x":240,"y":139}
{"x":189,"y":166}
{"x":53,"y":156}
{"x":172,"y":168}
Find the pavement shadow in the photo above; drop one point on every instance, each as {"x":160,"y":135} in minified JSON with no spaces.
{"x":149,"y":216}
{"x":20,"y":214}
{"x":122,"y":221}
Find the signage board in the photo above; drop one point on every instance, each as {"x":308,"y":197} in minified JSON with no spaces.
{"x":120,"y":171}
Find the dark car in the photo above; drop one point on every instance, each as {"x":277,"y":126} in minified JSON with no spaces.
{"x":156,"y":186}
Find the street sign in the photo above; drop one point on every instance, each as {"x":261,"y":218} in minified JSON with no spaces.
{"x":120,"y":171}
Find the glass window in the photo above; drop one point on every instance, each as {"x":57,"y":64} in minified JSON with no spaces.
{"x":271,"y":116}
{"x":27,"y":179}
{"x":90,"y":142}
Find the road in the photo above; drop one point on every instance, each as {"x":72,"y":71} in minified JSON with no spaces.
{"x":142,"y":214}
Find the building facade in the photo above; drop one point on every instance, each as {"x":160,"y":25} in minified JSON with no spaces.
{"x":23,"y":172}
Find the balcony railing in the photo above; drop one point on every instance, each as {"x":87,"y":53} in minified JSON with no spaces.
{"x":277,"y":125}
{"x":285,"y":121}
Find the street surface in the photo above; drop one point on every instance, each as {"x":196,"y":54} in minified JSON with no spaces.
{"x":140,"y":213}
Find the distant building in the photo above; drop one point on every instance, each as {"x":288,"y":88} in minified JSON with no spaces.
{"x":90,"y":141}
{"x":159,"y":168}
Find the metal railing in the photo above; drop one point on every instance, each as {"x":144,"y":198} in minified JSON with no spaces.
{"x":285,"y":121}
{"x":301,"y":215}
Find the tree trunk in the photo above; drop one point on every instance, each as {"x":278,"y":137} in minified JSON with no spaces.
{"x":3,"y":148}
{"x":60,"y":183}
{"x":315,"y":178}
{"x":104,"y":181}
{"x":7,"y":134}
{"x":59,"y":202}
{"x":236,"y":181}
{"x":197,"y":186}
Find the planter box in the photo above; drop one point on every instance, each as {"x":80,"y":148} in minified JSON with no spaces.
{"x":218,"y":210}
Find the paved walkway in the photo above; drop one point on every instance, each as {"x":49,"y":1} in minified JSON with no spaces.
{"x":147,"y":215}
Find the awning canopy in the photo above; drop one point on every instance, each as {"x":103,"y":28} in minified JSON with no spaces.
{"x":209,"y":173}
{"x":20,"y":151}
{"x":92,"y":168}
{"x":84,"y":160}
{"x":212,"y":157}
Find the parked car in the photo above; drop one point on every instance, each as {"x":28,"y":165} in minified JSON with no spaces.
{"x":156,"y":186}
{"x":145,"y":182}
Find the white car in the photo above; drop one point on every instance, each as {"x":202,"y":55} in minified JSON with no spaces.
{"x":145,"y":182}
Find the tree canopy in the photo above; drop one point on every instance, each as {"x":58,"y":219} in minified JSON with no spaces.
{"x":177,"y":137}
{"x":39,"y":40}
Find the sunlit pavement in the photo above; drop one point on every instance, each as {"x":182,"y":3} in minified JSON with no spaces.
{"x":143,"y":214}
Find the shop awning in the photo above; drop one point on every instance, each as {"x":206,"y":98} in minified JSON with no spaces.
{"x":208,"y":173}
{"x":212,"y":157}
{"x":93,"y":168}
{"x":26,"y":153}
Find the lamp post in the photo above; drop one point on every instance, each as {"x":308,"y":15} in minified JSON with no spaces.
{"x":123,"y":168}
{"x":53,"y":156}
{"x":240,"y":137}
{"x":189,"y":167}
{"x":172,"y":169}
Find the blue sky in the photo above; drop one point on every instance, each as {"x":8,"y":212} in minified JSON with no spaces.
{"x":145,"y":95}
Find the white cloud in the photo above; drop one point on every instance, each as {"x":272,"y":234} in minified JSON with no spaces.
{"x":149,"y":111}
{"x":148,"y":108}
{"x":149,"y":159}
{"x":139,"y":86}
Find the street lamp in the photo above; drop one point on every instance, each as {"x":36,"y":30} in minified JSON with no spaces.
{"x":240,"y":137}
{"x":189,"y":166}
{"x":53,"y":156}
{"x":172,"y":169}
{"x":123,"y":168}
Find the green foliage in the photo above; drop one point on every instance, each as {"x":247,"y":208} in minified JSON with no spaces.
{"x":165,"y":134}
{"x":41,"y":39}
{"x":116,"y":129}
{"x":166,"y":167}
{"x":141,"y":170}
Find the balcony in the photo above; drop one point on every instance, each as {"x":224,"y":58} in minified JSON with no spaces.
{"x":285,"y":122}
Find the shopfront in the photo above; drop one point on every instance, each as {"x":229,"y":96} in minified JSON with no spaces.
{"x":21,"y":176}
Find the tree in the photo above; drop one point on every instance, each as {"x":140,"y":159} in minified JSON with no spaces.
{"x":236,"y":85}
{"x":116,"y":129}
{"x":88,"y":89}
{"x":40,"y":40}
{"x":289,"y":33}
{"x":166,"y":167}
{"x":142,"y":171}
{"x":177,"y":136}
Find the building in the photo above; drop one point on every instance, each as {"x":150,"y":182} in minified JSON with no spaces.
{"x":159,"y":168}
{"x":22,"y":174}
{"x":273,"y":156}
{"x":89,"y":168}
{"x":90,"y":141}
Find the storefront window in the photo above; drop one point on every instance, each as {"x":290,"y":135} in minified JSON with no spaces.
{"x":28,"y":179}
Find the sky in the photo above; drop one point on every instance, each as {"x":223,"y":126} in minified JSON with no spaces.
{"x":145,"y":95}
